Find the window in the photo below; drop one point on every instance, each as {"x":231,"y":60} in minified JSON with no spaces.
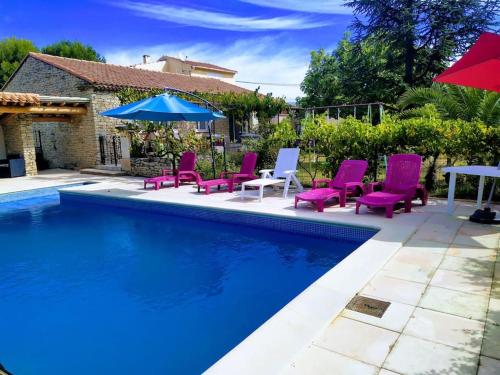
{"x":202,"y":126}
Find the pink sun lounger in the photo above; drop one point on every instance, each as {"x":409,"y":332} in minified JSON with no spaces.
{"x":246,"y":172}
{"x":230,"y":179}
{"x":347,"y":183}
{"x":400,"y":185}
{"x":185,"y":173}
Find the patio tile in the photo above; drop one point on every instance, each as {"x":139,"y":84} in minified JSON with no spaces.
{"x":446,"y":329}
{"x":392,"y":289}
{"x":494,"y":311}
{"x":315,"y":360}
{"x":439,"y":228}
{"x":464,"y":282}
{"x":395,"y":317}
{"x":491,"y":341}
{"x":473,"y":229}
{"x":411,"y":265}
{"x":478,"y":253}
{"x":468,"y":265}
{"x":387,"y":372}
{"x":489,"y":241}
{"x":412,"y":355}
{"x":488,"y":366}
{"x":357,"y":340}
{"x":495,"y":289}
{"x":467,"y":305}
{"x":426,"y":246}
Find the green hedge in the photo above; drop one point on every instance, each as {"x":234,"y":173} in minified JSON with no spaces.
{"x":457,"y":140}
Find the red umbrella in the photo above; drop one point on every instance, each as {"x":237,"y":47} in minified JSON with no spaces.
{"x":479,"y":67}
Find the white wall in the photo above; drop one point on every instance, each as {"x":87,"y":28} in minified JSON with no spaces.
{"x":3,"y":152}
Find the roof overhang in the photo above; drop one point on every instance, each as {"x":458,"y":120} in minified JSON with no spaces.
{"x":41,"y":107}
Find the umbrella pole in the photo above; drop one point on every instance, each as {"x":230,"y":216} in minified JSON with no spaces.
{"x":212,"y":149}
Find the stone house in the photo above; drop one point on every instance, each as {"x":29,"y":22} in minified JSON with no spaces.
{"x":169,"y":64}
{"x":84,"y":139}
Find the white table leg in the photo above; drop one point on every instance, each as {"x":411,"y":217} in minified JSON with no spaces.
{"x":451,"y":192}
{"x":480,"y":192}
{"x":242,"y":196}
{"x":261,"y":192}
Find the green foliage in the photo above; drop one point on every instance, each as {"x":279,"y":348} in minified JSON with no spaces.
{"x":456,"y":102}
{"x":74,"y":50}
{"x":423,"y":35}
{"x":12,"y":52}
{"x":356,"y":72}
{"x":471,"y":142}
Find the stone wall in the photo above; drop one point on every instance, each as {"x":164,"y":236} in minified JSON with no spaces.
{"x":148,"y":167}
{"x":18,"y":135}
{"x":76,"y":141}
{"x":55,"y":139}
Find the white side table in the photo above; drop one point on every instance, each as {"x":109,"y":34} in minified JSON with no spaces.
{"x":473,"y":170}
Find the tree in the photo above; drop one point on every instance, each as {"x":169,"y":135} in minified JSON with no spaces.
{"x":455,"y":102}
{"x":424,"y":34}
{"x":355,"y":72}
{"x":12,"y":52}
{"x":74,"y":50}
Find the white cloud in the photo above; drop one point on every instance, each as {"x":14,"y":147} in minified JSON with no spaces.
{"x":310,"y":6}
{"x":219,"y":20}
{"x":266,"y":59}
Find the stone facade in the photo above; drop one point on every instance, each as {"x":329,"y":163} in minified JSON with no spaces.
{"x":149,"y":167}
{"x":18,"y":135}
{"x":74,"y":144}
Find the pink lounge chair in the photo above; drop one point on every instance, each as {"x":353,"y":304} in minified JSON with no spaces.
{"x":347,"y":183}
{"x":246,"y":172}
{"x":400,"y":185}
{"x":185,"y":173}
{"x":230,"y":179}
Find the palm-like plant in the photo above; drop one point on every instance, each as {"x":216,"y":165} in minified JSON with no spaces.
{"x":454,"y":102}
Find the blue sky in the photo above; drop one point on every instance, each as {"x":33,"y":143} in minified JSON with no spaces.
{"x":265,"y":40}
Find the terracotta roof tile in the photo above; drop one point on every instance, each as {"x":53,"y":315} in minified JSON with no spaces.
{"x":114,"y":77}
{"x":19,"y":98}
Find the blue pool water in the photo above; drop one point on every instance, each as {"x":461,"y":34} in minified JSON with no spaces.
{"x":87,"y":288}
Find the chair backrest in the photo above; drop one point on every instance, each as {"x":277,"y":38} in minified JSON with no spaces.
{"x":248,"y":163}
{"x":287,"y":161}
{"x":350,"y":171}
{"x":403,"y":172}
{"x":188,"y":161}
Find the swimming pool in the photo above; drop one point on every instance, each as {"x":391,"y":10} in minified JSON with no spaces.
{"x":128,"y":287}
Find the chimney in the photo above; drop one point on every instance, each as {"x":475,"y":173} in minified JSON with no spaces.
{"x":146,"y":59}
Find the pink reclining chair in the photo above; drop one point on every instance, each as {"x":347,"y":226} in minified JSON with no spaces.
{"x":347,"y":183}
{"x":185,"y":173}
{"x":230,"y":179}
{"x":246,"y":172}
{"x":400,"y":185}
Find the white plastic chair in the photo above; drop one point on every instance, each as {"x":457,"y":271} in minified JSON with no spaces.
{"x":284,"y":172}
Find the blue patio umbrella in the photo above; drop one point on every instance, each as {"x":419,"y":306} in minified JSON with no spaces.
{"x":167,"y":107}
{"x":164,"y":107}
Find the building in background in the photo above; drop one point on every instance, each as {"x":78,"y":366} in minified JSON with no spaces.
{"x":169,"y":64}
{"x":63,"y":125}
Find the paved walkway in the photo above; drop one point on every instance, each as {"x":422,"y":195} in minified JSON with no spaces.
{"x":440,"y":273}
{"x":444,"y":317}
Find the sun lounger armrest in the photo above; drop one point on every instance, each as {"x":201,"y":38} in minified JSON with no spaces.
{"x":265,"y":173}
{"x":372,"y":186}
{"x":315,"y":182}
{"x":168,"y":172}
{"x":225,"y":174}
{"x":194,"y":174}
{"x":291,"y":171}
{"x":350,"y":185}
